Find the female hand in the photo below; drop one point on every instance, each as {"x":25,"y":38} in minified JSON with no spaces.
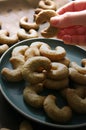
{"x":71,"y":22}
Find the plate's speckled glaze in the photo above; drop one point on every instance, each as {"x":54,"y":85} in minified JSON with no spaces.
{"x":13,"y":91}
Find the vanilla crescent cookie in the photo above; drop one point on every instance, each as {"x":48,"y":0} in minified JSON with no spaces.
{"x":13,"y":75}
{"x":3,"y":48}
{"x":31,"y":52}
{"x":79,"y":68}
{"x":58,"y":71}
{"x":34,"y":69}
{"x":19,"y":51}
{"x":77,"y":77}
{"x":77,"y":103}
{"x":6,"y":39}
{"x":27,"y":25}
{"x":23,"y":34}
{"x":25,"y":125}
{"x":57,"y":114}
{"x":44,"y":16}
{"x":54,"y":55}
{"x":56,"y":84}
{"x":31,"y":97}
{"x":47,"y":4}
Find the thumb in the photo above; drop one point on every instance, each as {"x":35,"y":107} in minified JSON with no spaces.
{"x":69,"y":19}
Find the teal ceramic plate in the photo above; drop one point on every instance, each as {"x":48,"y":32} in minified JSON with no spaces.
{"x":13,"y":91}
